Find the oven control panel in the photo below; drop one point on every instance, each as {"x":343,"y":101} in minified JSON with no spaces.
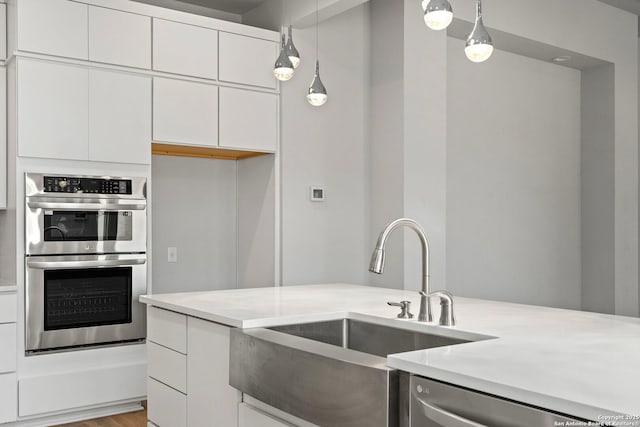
{"x":80,"y":185}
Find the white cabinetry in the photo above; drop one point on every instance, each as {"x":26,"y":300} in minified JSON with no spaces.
{"x":185,"y":49}
{"x":53,"y":118}
{"x":248,"y":416}
{"x":206,"y":395}
{"x":8,"y":352}
{"x":55,"y":27}
{"x":247,"y":60}
{"x":119,"y":117}
{"x":3,"y":138}
{"x":117,"y":37}
{"x":71,"y":112}
{"x":185,"y":112}
{"x":3,"y":31}
{"x":248,"y":119}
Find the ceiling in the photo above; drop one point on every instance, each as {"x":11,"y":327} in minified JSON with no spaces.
{"x":241,"y":7}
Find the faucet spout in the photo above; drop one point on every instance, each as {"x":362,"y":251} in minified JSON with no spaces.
{"x":377,"y":261}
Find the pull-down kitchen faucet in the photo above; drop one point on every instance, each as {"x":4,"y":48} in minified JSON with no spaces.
{"x":377,"y":266}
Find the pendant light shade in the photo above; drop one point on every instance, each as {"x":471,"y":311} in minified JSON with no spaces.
{"x":479,"y":46}
{"x":283,"y":68}
{"x":291,"y":50}
{"x":317,"y":94}
{"x":438,"y":14}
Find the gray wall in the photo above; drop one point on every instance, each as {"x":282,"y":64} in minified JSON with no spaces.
{"x":513,"y":179}
{"x":598,"y":215}
{"x":194,"y":208}
{"x":328,"y":147}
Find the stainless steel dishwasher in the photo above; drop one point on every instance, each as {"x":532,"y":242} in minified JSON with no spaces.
{"x":434,"y":404}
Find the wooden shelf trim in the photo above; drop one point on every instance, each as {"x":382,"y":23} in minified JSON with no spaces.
{"x":203,"y":152}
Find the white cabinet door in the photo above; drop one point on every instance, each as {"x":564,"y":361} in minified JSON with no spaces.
{"x":121,"y":38}
{"x":119,"y":117}
{"x":168,"y":407}
{"x":248,"y":120}
{"x":3,"y":31}
{"x":8,"y":349}
{"x":53,"y":116}
{"x":8,"y":398}
{"x":248,"y":416}
{"x":185,"y":49}
{"x":3,"y":143}
{"x":55,"y":27}
{"x":209,"y":397}
{"x":247,"y":60}
{"x":185,"y":112}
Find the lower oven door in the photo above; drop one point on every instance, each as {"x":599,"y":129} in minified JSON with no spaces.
{"x":83,"y":300}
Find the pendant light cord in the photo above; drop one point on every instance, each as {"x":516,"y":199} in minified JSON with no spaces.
{"x":316,"y":30}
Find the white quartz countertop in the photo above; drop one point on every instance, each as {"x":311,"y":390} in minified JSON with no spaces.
{"x":578,"y":363}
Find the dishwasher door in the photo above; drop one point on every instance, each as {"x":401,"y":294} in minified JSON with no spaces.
{"x":434,"y":404}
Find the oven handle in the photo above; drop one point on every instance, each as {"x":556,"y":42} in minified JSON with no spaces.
{"x":111,"y":206}
{"x":80,"y":264}
{"x":444,"y":417}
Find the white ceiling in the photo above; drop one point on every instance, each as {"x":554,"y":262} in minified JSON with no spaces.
{"x":241,"y":7}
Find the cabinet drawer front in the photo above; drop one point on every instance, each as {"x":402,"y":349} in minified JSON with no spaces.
{"x":185,"y":49}
{"x":8,"y":398}
{"x":8,"y":308}
{"x":167,"y":366}
{"x":55,"y":27}
{"x":248,"y":119}
{"x":247,"y":60}
{"x":167,"y":328}
{"x":121,"y":38}
{"x":167,"y":407}
{"x":185,"y":112}
{"x":7,"y":347}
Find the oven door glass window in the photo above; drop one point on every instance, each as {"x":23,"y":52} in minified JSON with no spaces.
{"x":82,"y":226}
{"x":78,"y":298}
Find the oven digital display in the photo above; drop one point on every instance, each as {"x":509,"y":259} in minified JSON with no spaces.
{"x":78,"y":298}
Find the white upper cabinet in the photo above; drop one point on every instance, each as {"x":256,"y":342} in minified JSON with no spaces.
{"x":3,"y":31}
{"x":247,"y":60}
{"x":54,"y":27}
{"x":185,"y":112}
{"x":185,"y":49}
{"x":53,"y":117}
{"x":248,"y":119}
{"x":3,"y":146}
{"x":120,"y":38}
{"x":119,"y":117}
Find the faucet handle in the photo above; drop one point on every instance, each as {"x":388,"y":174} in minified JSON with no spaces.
{"x":447,"y":317}
{"x":405,"y":309}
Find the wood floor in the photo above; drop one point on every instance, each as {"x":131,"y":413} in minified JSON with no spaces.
{"x":132,"y":419}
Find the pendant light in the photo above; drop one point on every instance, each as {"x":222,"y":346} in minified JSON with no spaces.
{"x":283,"y":68}
{"x":317,"y":93}
{"x":438,"y":14}
{"x":291,"y":50}
{"x":479,"y":46}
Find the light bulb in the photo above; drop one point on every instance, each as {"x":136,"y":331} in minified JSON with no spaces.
{"x":438,"y":14}
{"x":478,"y":52}
{"x":479,"y":46}
{"x":283,"y":68}
{"x":317,"y":99}
{"x":317,"y":93}
{"x":291,"y":50}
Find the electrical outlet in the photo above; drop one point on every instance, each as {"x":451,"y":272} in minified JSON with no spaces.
{"x":172,"y":254}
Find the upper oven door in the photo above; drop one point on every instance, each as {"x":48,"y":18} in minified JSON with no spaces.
{"x":84,"y":225}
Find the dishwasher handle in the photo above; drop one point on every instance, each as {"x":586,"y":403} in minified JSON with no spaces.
{"x":444,"y":417}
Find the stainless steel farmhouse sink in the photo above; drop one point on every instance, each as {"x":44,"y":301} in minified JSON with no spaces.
{"x":331,"y":373}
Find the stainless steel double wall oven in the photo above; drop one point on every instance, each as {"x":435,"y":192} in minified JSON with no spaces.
{"x":85,"y":261}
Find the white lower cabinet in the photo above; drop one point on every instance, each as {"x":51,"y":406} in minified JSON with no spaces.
{"x":8,"y":398}
{"x":248,"y":416}
{"x":206,"y":398}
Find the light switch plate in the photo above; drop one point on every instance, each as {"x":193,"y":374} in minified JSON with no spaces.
{"x":172,"y":254}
